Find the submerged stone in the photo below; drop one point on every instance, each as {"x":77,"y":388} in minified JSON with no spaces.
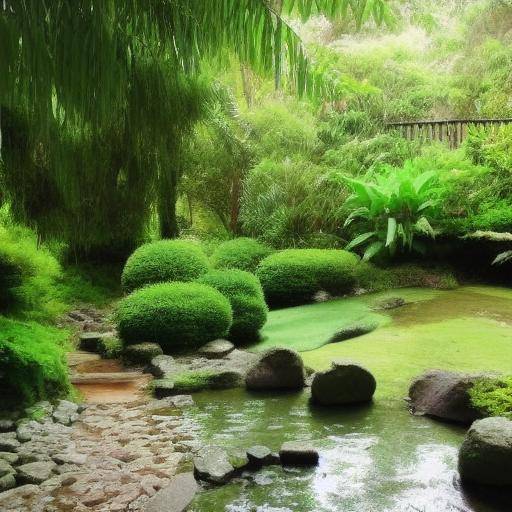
{"x":345,"y":383}
{"x":277,"y":369}
{"x":353,"y":331}
{"x":485,"y":456}
{"x":390,"y":303}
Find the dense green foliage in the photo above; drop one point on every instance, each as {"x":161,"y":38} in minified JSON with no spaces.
{"x":165,"y":260}
{"x":393,"y":209}
{"x":178,"y":316}
{"x":245,"y":294}
{"x":493,"y":397}
{"x":32,"y":363}
{"x":293,"y":276}
{"x":240,"y":253}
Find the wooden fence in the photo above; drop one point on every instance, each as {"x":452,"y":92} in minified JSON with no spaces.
{"x":450,"y":131}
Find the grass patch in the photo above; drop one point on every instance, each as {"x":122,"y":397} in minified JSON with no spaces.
{"x":32,"y":363}
{"x":460,"y":330}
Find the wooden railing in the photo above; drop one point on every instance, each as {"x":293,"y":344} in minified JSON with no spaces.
{"x":450,"y":131}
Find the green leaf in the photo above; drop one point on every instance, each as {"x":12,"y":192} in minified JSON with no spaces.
{"x":391,"y":235}
{"x":423,"y":181}
{"x":372,"y":250}
{"x":358,"y":240}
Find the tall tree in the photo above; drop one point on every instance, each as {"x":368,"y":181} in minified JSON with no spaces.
{"x":84,"y":79}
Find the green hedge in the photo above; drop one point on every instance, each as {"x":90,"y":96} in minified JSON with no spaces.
{"x":293,"y":276}
{"x":244,"y":292}
{"x":165,"y":260}
{"x":32,"y":363}
{"x":178,"y":316}
{"x":241,"y":253}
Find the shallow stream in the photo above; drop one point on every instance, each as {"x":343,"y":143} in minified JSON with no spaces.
{"x":376,"y":458}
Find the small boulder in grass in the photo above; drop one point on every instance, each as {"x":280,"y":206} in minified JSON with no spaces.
{"x":298,"y":453}
{"x":277,"y":369}
{"x":141,"y":353}
{"x":344,"y":383}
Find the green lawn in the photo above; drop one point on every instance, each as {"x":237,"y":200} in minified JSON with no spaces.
{"x":468,"y":329}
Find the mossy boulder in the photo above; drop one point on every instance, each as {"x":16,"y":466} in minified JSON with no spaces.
{"x":141,"y":353}
{"x":354,"y":330}
{"x":294,"y":276}
{"x":485,"y":456}
{"x":163,"y":261}
{"x":445,"y":395}
{"x":177,"y":316}
{"x":344,"y":383}
{"x":277,"y":369}
{"x":240,"y":253}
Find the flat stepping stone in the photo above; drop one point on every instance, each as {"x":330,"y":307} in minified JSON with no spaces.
{"x":80,"y":357}
{"x":212,"y":464}
{"x":35,"y":472}
{"x":141,"y":353}
{"x":261,"y":456}
{"x":216,"y":349}
{"x":175,"y":497}
{"x":298,"y":453}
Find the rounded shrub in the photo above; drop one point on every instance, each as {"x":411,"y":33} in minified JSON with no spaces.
{"x":244,"y":292}
{"x":293,"y":276}
{"x":240,"y":253}
{"x":178,"y":316}
{"x":165,"y":260}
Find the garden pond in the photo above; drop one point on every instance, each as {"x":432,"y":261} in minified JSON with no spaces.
{"x":374,"y":458}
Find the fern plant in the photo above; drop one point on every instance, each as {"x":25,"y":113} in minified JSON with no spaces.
{"x":391,"y":209}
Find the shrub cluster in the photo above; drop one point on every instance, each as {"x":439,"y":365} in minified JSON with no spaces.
{"x":241,"y":253}
{"x":244,"y":292}
{"x":178,"y":316}
{"x":493,"y":396}
{"x":32,"y":363}
{"x":293,"y":276}
{"x":165,"y":260}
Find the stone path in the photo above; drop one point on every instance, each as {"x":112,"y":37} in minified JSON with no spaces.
{"x":113,"y":459}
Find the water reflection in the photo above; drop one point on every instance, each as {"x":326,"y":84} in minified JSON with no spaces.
{"x":376,"y":458}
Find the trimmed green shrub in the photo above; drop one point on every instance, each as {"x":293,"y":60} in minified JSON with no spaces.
{"x":241,"y":253}
{"x":244,"y":292}
{"x":493,"y":396}
{"x":165,"y":260}
{"x":178,"y":316}
{"x":32,"y":362}
{"x":293,"y":276}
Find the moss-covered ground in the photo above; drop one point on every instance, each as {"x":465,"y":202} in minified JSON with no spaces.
{"x":468,"y":329}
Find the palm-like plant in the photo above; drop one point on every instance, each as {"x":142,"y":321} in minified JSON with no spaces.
{"x":392,"y":209}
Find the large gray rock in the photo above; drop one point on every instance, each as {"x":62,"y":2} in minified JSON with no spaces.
{"x":161,"y":366}
{"x":444,"y":395}
{"x":298,"y":453}
{"x":277,"y":368}
{"x":485,"y":456}
{"x":35,"y":472}
{"x":174,"y":497}
{"x":142,"y":353}
{"x":212,"y":463}
{"x":345,"y":383}
{"x":66,"y":412}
